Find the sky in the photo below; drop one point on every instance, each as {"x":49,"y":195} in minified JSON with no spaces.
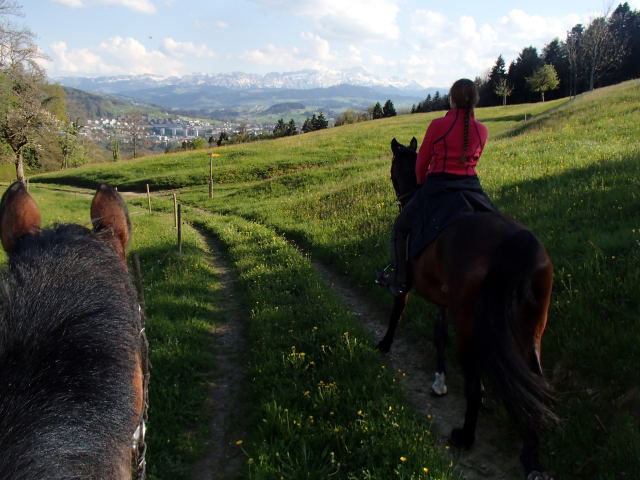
{"x":430,"y":43}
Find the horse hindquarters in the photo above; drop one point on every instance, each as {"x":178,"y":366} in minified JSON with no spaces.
{"x":508,"y":327}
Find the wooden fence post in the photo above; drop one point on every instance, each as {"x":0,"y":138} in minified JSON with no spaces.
{"x":175,"y":211}
{"x":148,"y":198}
{"x":179,"y":228}
{"x":211,"y":176}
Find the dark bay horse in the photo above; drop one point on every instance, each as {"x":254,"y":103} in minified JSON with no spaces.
{"x":492,"y":278}
{"x":71,"y":356}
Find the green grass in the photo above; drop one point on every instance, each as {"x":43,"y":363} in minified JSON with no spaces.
{"x":572,"y":174}
{"x":263,"y":160}
{"x":323,"y":403}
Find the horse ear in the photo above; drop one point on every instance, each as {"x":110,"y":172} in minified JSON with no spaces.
{"x":19,"y":215}
{"x":110,"y":219}
{"x":394,"y":145}
{"x":414,"y":144}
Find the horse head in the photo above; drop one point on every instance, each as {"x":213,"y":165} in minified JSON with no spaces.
{"x":403,"y":170}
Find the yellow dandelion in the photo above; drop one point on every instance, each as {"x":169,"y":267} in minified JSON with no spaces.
{"x":403,"y":459}
{"x":239,"y":442}
{"x":425,"y":469}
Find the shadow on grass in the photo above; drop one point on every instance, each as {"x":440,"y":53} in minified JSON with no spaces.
{"x":588,"y":220}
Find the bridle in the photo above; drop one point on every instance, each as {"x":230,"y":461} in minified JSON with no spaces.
{"x":139,"y":445}
{"x":402,"y":198}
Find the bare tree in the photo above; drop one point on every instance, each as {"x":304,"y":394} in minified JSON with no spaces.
{"x":135,"y":127}
{"x":23,"y":115}
{"x":573,"y":50}
{"x":503,"y":89}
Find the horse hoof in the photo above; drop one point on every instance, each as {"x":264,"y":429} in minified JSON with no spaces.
{"x":536,"y":475}
{"x":459,"y":439}
{"x":384,"y":347}
{"x":439,"y":387}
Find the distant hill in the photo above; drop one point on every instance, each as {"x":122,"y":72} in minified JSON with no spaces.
{"x":284,"y":107}
{"x":247,"y":97}
{"x":89,"y":106}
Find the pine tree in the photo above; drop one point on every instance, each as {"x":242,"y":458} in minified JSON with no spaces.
{"x":376,"y":112}
{"x":291,"y":128}
{"x":280,"y":129}
{"x":388,"y":110}
{"x":320,"y":122}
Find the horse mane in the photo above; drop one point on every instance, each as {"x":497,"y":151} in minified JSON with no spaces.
{"x":69,"y":332}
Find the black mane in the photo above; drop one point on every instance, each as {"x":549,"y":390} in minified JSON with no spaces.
{"x":69,"y":333}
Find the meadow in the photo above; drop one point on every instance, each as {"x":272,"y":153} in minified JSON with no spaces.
{"x":570,"y":172}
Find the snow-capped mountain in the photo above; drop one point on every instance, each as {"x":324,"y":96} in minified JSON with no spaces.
{"x":299,"y":80}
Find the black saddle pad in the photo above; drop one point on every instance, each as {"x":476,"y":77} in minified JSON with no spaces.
{"x":438,"y":209}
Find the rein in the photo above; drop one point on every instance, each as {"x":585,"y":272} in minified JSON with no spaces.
{"x":139,"y":444}
{"x":402,"y":199}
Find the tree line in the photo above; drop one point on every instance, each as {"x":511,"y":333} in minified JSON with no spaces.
{"x":604,"y":52}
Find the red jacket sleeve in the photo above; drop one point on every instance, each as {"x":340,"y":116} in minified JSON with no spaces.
{"x":424,"y":154}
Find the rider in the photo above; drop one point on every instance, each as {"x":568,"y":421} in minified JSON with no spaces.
{"x":446,"y":163}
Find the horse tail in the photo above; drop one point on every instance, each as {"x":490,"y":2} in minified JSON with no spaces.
{"x":513,"y":368}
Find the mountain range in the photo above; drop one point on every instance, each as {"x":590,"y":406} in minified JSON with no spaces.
{"x":245,"y":96}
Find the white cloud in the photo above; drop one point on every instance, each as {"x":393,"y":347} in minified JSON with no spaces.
{"x":114,"y":56}
{"x":534,"y":28}
{"x":76,"y":61}
{"x":142,"y":6}
{"x":316,"y":54}
{"x":70,"y":3}
{"x":355,"y":19}
{"x":185,"y":49}
{"x":444,"y":48}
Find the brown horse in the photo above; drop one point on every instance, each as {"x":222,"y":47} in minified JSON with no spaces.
{"x":72,"y":350}
{"x":492,"y":278}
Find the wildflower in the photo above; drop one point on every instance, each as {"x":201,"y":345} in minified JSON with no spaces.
{"x":425,"y":469}
{"x":307,"y":393}
{"x":403,"y":459}
{"x":250,"y":460}
{"x":239,"y":442}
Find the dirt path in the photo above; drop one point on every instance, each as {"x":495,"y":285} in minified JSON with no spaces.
{"x":491,"y":457}
{"x":224,"y":459}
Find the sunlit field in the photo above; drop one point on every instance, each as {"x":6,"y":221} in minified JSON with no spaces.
{"x":571,"y":172}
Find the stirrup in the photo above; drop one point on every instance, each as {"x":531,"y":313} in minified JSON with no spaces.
{"x":384,"y":276}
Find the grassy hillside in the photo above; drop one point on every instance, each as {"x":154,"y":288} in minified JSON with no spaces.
{"x":263,"y":160}
{"x":572,"y":173}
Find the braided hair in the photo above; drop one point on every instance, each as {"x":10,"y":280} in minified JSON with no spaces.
{"x":464,"y":94}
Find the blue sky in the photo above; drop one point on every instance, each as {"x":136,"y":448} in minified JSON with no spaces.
{"x":431,"y":43}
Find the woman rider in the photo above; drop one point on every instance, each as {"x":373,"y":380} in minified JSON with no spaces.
{"x":446,"y":172}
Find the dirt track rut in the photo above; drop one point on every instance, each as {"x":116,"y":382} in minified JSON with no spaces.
{"x":491,"y":457}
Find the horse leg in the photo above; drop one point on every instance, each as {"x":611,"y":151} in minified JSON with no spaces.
{"x":439,"y":386}
{"x":399,"y":303}
{"x":465,"y":436}
{"x":533,"y":469}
